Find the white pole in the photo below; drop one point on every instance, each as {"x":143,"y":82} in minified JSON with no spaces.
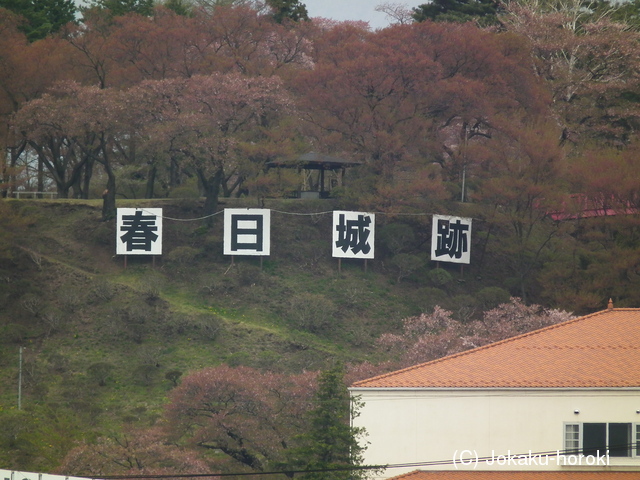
{"x":20,"y":381}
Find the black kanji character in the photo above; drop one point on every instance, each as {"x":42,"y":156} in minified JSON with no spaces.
{"x":354,"y":234}
{"x":140,"y":231}
{"x":452,"y":238}
{"x":256,"y":232}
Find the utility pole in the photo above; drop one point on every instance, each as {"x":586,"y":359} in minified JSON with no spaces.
{"x":20,"y":381}
{"x":464,"y":164}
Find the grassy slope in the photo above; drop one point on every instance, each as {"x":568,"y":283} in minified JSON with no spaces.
{"x":75,"y":308}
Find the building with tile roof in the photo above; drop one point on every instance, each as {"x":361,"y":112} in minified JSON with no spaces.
{"x":562,"y":398}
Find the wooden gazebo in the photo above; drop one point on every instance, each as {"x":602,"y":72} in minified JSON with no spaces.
{"x":320,"y":162}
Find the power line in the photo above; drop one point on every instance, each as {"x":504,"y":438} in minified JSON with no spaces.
{"x":309,"y":214}
{"x":470,"y":460}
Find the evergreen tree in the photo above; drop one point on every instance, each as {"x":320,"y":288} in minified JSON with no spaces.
{"x":117,"y":8}
{"x":331,"y":445}
{"x":181,"y":7}
{"x":459,"y":11}
{"x":291,"y":9}
{"x":43,"y":17}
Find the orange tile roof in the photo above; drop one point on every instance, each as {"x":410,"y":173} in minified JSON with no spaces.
{"x":597,"y":350}
{"x":512,"y":475}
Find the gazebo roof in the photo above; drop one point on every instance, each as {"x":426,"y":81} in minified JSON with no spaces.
{"x":314,"y":161}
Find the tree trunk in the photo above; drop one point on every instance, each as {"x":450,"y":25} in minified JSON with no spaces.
{"x":40,"y":187}
{"x":211,"y":185}
{"x":109,"y":195}
{"x":9,"y":174}
{"x":174,"y":173}
{"x":88,"y":172}
{"x":151,"y":180}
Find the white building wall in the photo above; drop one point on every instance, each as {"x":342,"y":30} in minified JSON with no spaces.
{"x":422,"y":425}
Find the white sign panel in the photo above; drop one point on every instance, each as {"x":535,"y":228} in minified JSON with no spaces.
{"x":353,"y":234}
{"x":247,"y":231}
{"x":16,"y":475}
{"x":451,"y":239}
{"x":139,"y":231}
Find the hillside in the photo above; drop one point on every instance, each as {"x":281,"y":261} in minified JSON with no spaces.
{"x":103,"y":344}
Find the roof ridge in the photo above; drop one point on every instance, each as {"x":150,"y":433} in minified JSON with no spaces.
{"x":408,"y":474}
{"x":489,"y":345}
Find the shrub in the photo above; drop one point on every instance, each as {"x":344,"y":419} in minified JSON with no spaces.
{"x":491,"y":297}
{"x":396,"y":237}
{"x":183,"y":255}
{"x":13,"y":333}
{"x":312,"y":312}
{"x":405,"y":264}
{"x":173,"y":376}
{"x":440,"y":277}
{"x":189,"y":189}
{"x":103,"y":290}
{"x":99,"y":372}
{"x":464,"y":307}
{"x":238,"y":359}
{"x":145,"y":374}
{"x":429,"y":297}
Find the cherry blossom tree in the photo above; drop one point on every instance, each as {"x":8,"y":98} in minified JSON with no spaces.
{"x":135,"y":452}
{"x":212,"y":122}
{"x":26,"y":70}
{"x":411,"y":98}
{"x":430,"y":336}
{"x":44,"y":124}
{"x":74,"y":127}
{"x":249,"y":416}
{"x":588,"y":61}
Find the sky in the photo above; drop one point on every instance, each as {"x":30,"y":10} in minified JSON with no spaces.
{"x":348,"y":10}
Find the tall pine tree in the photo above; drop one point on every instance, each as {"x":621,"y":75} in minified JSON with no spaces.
{"x":331,"y":446}
{"x":458,"y":11}
{"x":291,"y":9}
{"x":43,"y":17}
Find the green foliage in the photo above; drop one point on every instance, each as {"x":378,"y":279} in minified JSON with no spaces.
{"x":288,"y":9}
{"x":440,"y":277}
{"x":406,"y":264}
{"x":12,"y":225}
{"x":145,"y":374}
{"x":117,"y":8}
{"x":458,"y":11}
{"x":396,"y":237}
{"x":187,"y":189}
{"x":181,"y":7}
{"x":183,"y":255}
{"x":173,"y":376}
{"x":312,"y":312}
{"x":331,"y":443}
{"x":491,"y":297}
{"x":35,"y":438}
{"x":43,"y":17}
{"x":99,"y":372}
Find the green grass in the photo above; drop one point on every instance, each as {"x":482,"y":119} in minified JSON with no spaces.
{"x":193,"y":310}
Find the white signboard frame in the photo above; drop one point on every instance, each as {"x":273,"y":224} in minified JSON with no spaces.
{"x":451,"y":239}
{"x":139,"y":231}
{"x":18,"y":475}
{"x":247,"y":231}
{"x":353,"y":234}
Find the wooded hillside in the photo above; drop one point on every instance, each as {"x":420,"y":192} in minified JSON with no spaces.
{"x":525,"y":123}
